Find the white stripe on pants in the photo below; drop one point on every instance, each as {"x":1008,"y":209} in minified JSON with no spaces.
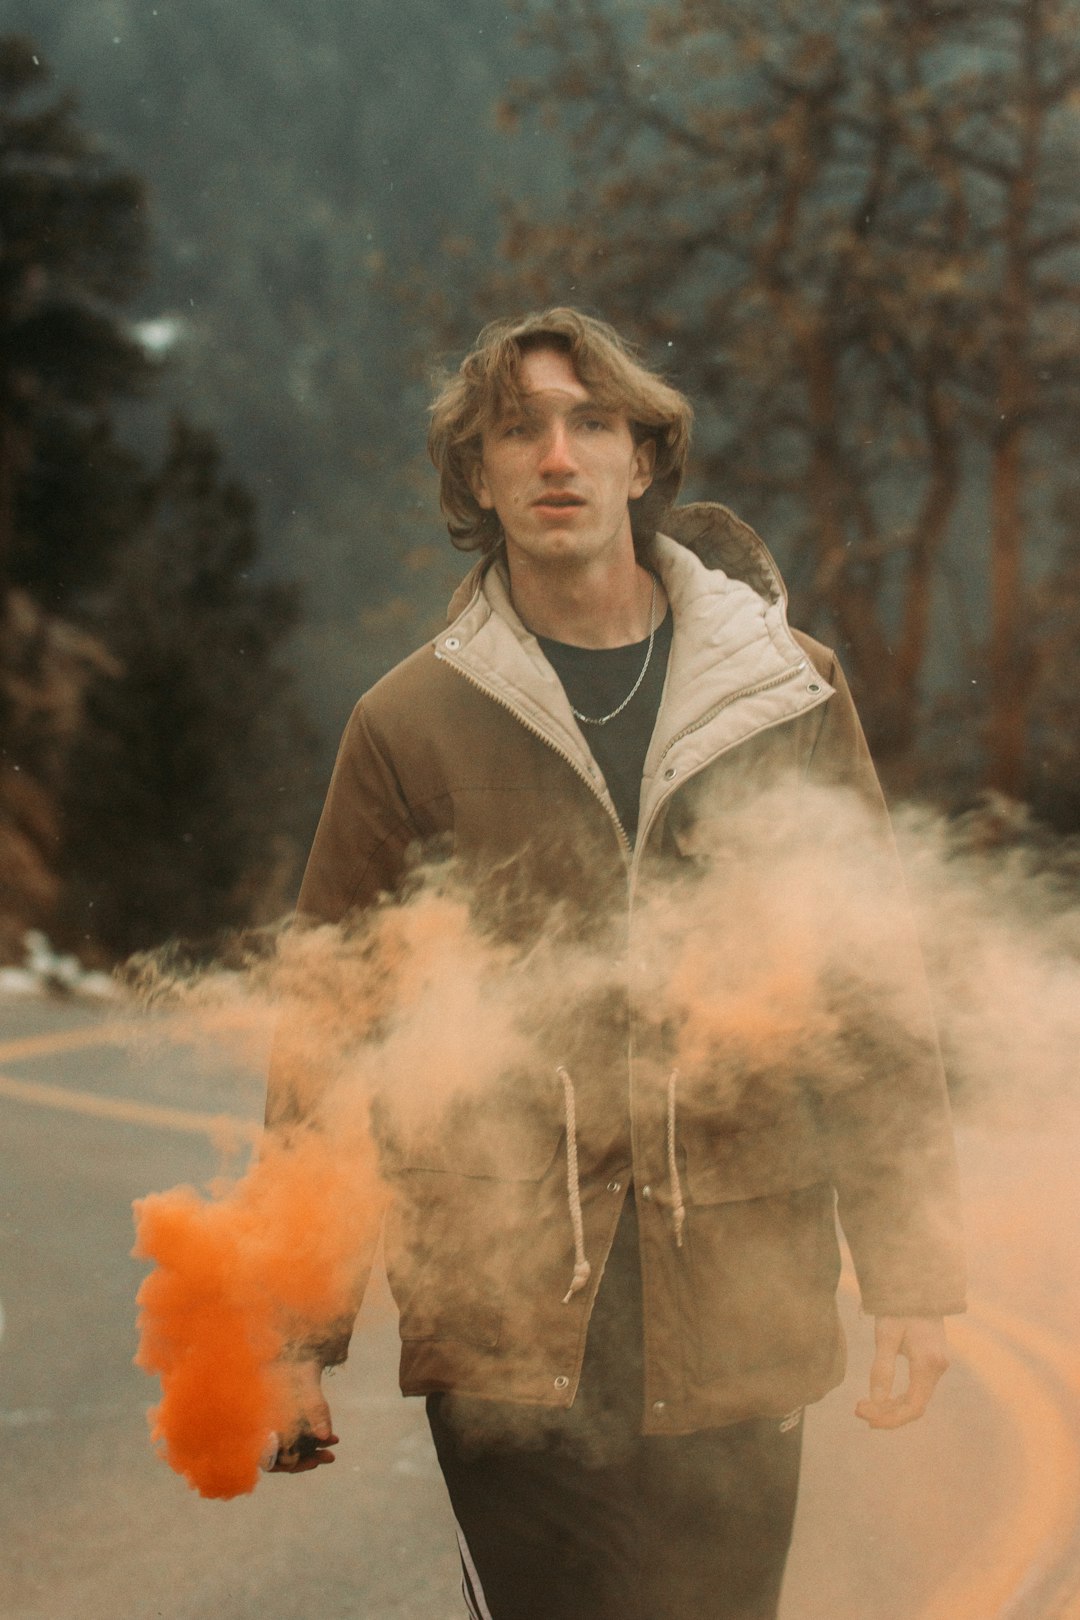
{"x":475,"y":1601}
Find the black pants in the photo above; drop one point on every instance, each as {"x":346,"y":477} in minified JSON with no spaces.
{"x":577,"y":1516}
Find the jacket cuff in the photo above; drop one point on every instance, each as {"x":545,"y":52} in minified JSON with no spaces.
{"x":329,"y":1349}
{"x":871,"y":1306}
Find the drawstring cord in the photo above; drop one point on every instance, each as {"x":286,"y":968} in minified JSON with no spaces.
{"x":582,"y":1268}
{"x":678,"y":1208}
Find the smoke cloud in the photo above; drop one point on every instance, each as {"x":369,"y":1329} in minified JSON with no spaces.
{"x":241,"y":1276}
{"x":793,"y":952}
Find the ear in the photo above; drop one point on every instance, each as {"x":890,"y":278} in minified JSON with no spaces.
{"x":642,"y":467}
{"x":479,"y":486}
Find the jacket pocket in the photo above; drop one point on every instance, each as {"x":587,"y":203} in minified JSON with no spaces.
{"x":508,"y":1129}
{"x":779,"y":1157}
{"x":457,"y":1232}
{"x":764,"y":1251}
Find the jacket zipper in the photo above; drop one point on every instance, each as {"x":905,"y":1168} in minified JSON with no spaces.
{"x":687,"y":731}
{"x":733,"y":697}
{"x":629,"y":854}
{"x":538,"y":731}
{"x":632,"y":995}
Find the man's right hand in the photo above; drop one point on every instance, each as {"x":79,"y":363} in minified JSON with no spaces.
{"x":311,"y":1415}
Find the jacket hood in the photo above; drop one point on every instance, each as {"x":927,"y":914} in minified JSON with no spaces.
{"x":721,"y":540}
{"x":732,"y":640}
{"x":711,"y":531}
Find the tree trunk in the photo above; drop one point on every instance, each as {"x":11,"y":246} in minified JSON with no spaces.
{"x":931,"y":531}
{"x":1007,"y":729}
{"x":1009,"y":678}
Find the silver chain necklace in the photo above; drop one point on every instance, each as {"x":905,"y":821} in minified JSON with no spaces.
{"x":602,"y":720}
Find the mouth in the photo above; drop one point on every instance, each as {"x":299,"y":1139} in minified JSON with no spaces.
{"x":558,"y":502}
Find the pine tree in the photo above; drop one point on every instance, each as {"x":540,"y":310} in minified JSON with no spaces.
{"x":190,"y":785}
{"x":72,"y":239}
{"x":152,"y":753}
{"x":73,"y":253}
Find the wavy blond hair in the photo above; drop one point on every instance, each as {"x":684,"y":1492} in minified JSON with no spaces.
{"x":486,"y":387}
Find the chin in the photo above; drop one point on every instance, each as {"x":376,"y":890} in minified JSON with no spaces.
{"x":551,"y":543}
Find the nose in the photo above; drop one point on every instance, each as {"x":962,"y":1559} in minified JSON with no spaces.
{"x":557,"y":454}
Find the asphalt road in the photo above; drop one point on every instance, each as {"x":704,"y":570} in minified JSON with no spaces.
{"x":970,"y":1515}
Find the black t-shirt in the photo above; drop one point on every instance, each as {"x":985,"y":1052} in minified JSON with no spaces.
{"x":602,"y":1426}
{"x":596,"y":680}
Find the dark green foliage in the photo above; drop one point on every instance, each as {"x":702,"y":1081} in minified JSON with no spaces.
{"x":73,"y":251}
{"x":190,"y":782}
{"x":146,"y":718}
{"x":306,"y":158}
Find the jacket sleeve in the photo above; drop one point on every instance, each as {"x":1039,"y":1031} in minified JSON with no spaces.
{"x":885,"y":1114}
{"x":364,"y":831}
{"x":358,"y":853}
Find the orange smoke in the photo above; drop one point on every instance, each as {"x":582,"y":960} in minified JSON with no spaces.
{"x":240,"y":1274}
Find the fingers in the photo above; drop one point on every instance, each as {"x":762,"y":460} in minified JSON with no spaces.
{"x":893,"y":1414}
{"x":301,"y":1459}
{"x":305,"y":1444}
{"x":922,"y":1342}
{"x":888,"y":1338}
{"x":316,"y":1416}
{"x":916,"y":1397}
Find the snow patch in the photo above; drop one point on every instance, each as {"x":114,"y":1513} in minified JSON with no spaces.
{"x":47,"y":972}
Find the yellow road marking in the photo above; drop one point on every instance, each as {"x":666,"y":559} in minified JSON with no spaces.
{"x":216,"y":1126}
{"x":219,"y":1127}
{"x":1040,"y":1524}
{"x":67,"y":1040}
{"x":1038,"y":1341}
{"x":1064,"y":1362}
{"x":1042,"y":1517}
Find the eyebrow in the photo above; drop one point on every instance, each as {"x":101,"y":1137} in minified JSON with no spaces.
{"x":529,"y":407}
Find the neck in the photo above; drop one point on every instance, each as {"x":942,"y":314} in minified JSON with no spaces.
{"x":587,"y":607}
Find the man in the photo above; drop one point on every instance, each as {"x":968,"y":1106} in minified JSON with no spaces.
{"x":615,"y":1301}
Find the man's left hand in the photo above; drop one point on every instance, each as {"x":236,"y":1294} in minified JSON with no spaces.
{"x":921,"y":1340}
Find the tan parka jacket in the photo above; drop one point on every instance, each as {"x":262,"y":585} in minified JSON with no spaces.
{"x":470,"y":746}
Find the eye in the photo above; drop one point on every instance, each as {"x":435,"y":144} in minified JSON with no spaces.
{"x":595,"y":424}
{"x":518,"y":427}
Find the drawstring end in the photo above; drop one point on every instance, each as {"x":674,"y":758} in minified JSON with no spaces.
{"x":582,"y":1273}
{"x":678,"y":1207}
{"x":582,"y":1268}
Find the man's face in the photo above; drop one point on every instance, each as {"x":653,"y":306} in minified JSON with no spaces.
{"x":560,"y":473}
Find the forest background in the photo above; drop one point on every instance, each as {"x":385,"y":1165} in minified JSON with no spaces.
{"x":234,"y":241}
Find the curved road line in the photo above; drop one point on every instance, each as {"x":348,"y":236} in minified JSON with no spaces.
{"x":222,"y":1128}
{"x":67,"y":1040}
{"x":1038,"y":1341}
{"x":1023,"y":1553}
{"x":1061,"y":1580}
{"x":1017,"y":1362}
{"x":216,"y":1126}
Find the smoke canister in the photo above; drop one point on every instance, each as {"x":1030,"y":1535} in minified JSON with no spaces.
{"x":305,"y":1444}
